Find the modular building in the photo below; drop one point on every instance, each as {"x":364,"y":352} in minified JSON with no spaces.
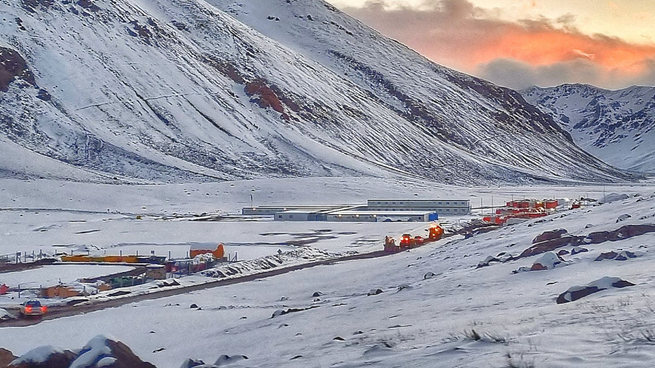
{"x":382,"y":216}
{"x":300,"y":216}
{"x":272,"y":210}
{"x":444,"y":207}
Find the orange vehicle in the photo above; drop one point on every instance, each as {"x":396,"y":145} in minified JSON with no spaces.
{"x":407,"y":241}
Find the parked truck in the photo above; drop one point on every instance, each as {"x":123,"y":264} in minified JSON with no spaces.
{"x":407,"y":241}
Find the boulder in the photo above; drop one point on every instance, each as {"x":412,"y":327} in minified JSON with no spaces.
{"x":621,"y":256}
{"x":546,"y":262}
{"x":374,"y":292}
{"x":548,"y":245}
{"x":191,"y":363}
{"x":613,"y":197}
{"x":44,"y":357}
{"x":104,"y":352}
{"x":577,"y":292}
{"x":549,"y":235}
{"x":6,"y":357}
{"x":228,"y":360}
{"x":623,"y":217}
{"x":578,"y":250}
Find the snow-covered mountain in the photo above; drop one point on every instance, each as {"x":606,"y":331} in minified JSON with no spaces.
{"x":616,"y":126}
{"x":184,"y":90}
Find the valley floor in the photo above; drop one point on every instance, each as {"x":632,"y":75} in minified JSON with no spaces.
{"x":431,"y":306}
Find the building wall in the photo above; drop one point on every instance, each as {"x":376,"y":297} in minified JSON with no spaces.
{"x":295,"y":216}
{"x":350,"y":218}
{"x":445,"y":207}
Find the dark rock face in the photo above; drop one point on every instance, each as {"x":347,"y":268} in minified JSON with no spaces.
{"x":124,"y":356}
{"x":622,"y":256}
{"x":6,"y":357}
{"x":99,"y":352}
{"x":12,"y":66}
{"x":32,"y":5}
{"x":56,"y":359}
{"x":570,"y":296}
{"x":549,"y":235}
{"x":624,"y":232}
{"x":548,"y":245}
{"x":578,"y":292}
{"x":554,"y":239}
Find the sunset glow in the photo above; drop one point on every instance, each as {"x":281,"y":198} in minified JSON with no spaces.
{"x":521,"y":43}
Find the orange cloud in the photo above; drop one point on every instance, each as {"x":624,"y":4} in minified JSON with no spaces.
{"x":457,"y":34}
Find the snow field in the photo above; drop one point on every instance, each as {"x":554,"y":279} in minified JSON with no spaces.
{"x":458,"y":317}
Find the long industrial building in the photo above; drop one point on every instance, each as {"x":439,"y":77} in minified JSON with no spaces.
{"x":414,"y":210}
{"x":444,"y":207}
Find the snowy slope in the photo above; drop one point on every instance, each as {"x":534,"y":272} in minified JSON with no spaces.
{"x":435,"y":308}
{"x":187,"y":90}
{"x":615,"y":126}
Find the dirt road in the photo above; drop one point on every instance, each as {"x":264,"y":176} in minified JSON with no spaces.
{"x":95,"y":305}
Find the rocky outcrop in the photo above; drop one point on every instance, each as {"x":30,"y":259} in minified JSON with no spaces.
{"x":44,"y":357}
{"x":549,"y":235}
{"x":551,"y":240}
{"x":99,"y":352}
{"x":6,"y":357}
{"x":577,"y":292}
{"x":13,"y":67}
{"x":621,"y":256}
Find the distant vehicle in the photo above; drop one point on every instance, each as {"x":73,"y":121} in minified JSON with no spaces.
{"x":33,"y":308}
{"x":406,"y":241}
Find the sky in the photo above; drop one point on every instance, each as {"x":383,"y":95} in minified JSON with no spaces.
{"x":521,"y":43}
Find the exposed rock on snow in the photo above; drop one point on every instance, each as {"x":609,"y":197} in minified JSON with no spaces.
{"x":620,"y":256}
{"x":224,"y":360}
{"x":549,"y":241}
{"x":624,"y":232}
{"x":6,"y":357}
{"x":549,"y":235}
{"x":191,"y":363}
{"x":547,"y":261}
{"x":281,"y":312}
{"x":613,"y":197}
{"x":578,"y":250}
{"x":374,"y":292}
{"x":553,"y":242}
{"x":576,"y":292}
{"x":101,"y":351}
{"x":623,"y":217}
{"x":44,"y":357}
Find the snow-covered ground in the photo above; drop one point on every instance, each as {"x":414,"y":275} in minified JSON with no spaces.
{"x":435,"y":307}
{"x":54,"y":274}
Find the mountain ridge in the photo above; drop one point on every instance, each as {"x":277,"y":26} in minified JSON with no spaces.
{"x":187,"y":90}
{"x":614,"y":125}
